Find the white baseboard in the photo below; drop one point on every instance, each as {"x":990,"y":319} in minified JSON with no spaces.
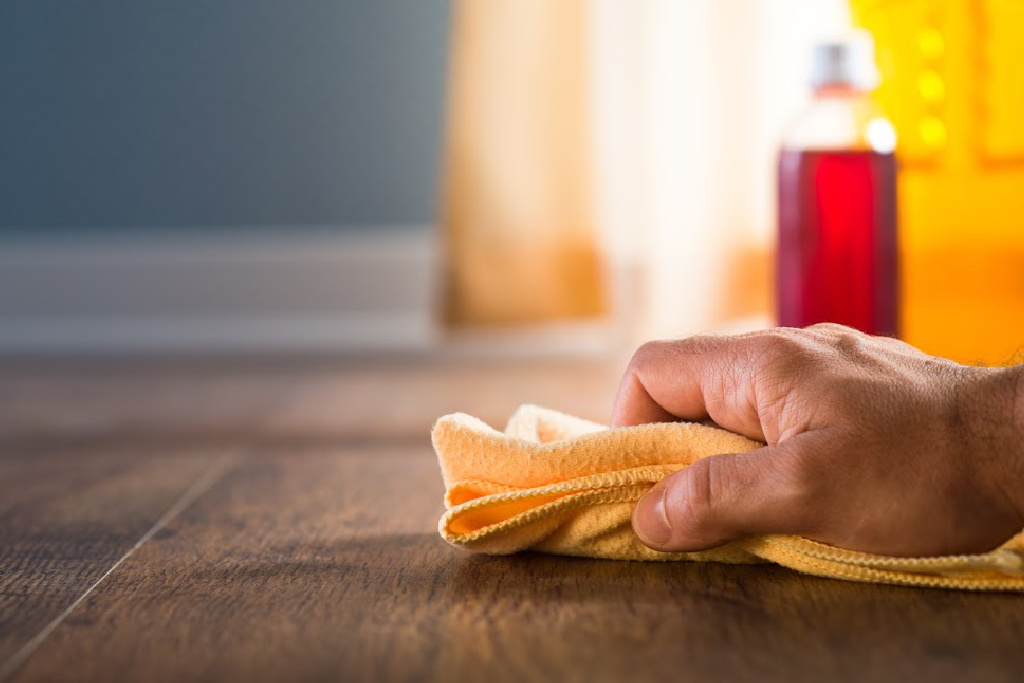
{"x":301,"y":289}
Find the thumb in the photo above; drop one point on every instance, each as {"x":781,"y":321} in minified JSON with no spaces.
{"x":719,"y":499}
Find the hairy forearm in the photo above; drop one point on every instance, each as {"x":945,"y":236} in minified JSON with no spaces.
{"x":1018,"y":402}
{"x":1017,"y":414}
{"x":993,"y":412}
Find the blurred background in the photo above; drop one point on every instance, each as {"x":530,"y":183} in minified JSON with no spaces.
{"x":476,"y":176}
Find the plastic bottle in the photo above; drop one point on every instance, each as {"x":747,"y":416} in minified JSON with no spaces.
{"x":837,"y":216}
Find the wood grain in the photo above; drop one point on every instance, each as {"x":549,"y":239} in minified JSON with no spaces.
{"x":67,"y":514}
{"x":324,"y":565}
{"x":401,"y":401}
{"x":290,"y":399}
{"x":316,"y":557}
{"x":175,"y":399}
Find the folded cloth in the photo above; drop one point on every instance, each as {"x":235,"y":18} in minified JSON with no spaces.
{"x":559,"y":484}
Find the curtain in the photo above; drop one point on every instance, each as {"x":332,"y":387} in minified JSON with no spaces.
{"x":520,"y":239}
{"x":588,"y":139}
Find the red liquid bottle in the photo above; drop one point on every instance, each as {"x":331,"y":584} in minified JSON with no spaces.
{"x":838,"y":241}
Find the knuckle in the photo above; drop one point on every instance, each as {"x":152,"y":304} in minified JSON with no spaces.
{"x":847,"y":341}
{"x":696,"y":345}
{"x":702,"y":343}
{"x":831,"y":329}
{"x":654,"y":351}
{"x":783,"y":342}
{"x":851,"y":343}
{"x":645,"y":353}
{"x":784,"y":353}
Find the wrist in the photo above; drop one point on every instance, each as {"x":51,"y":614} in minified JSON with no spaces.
{"x":1018,"y":403}
{"x":1016,"y":374}
{"x":992,"y":413}
{"x":1017,"y":412}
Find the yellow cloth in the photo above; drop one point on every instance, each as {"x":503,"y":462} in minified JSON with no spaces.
{"x":559,"y":484}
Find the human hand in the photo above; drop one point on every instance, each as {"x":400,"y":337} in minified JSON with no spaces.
{"x":872,"y":445}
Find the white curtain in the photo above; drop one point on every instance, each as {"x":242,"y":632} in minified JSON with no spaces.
{"x":690,"y":98}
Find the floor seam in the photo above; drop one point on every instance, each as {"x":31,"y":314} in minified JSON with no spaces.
{"x":197,"y":489}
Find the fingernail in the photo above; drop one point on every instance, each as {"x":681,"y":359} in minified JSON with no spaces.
{"x":649,"y":519}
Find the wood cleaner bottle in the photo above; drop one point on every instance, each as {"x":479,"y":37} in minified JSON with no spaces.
{"x":837,"y":215}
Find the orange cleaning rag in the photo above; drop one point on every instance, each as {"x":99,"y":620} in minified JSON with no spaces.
{"x":555,"y":483}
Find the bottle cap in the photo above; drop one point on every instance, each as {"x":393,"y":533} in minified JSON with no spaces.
{"x":845,"y":61}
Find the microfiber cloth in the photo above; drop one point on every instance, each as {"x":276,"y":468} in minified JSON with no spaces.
{"x":559,"y":484}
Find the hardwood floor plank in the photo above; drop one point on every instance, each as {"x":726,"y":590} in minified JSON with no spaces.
{"x":369,"y":398}
{"x":50,"y":402}
{"x":68,"y":514}
{"x":402,"y":401}
{"x":324,"y":564}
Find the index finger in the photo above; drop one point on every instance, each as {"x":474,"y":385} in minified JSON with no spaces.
{"x":692,"y":379}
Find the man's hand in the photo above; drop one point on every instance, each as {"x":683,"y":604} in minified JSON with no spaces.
{"x":871,"y":444}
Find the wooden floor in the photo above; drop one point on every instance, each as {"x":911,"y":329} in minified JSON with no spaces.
{"x":258,"y":521}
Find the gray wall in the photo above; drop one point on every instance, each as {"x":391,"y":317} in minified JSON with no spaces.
{"x":135,"y":113}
